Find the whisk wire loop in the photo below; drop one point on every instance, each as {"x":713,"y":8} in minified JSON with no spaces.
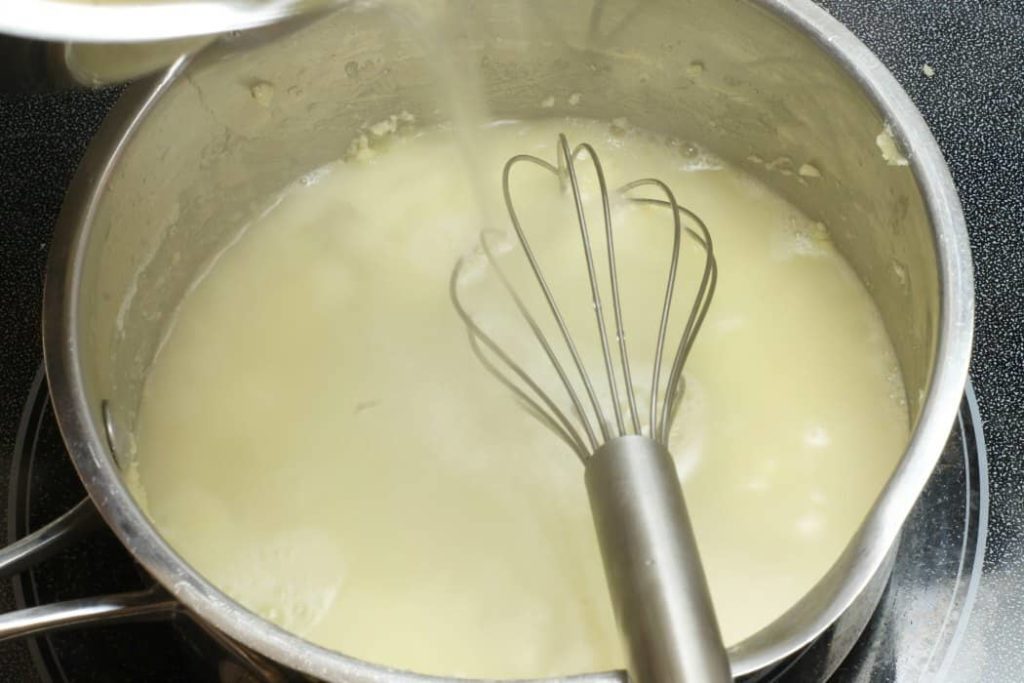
{"x":670,"y":286}
{"x":613,"y":276}
{"x":569,"y":159}
{"x":546,"y":288}
{"x":527,"y":390}
{"x":698,"y":311}
{"x":560,"y":424}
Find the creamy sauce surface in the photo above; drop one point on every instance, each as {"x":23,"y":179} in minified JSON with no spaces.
{"x":317,"y":439}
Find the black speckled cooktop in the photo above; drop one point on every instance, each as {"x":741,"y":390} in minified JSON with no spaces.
{"x":974,"y":104}
{"x":972,"y":95}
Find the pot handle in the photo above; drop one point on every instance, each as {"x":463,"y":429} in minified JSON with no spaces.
{"x":136,"y":606}
{"x":48,"y":541}
{"x":153,"y":603}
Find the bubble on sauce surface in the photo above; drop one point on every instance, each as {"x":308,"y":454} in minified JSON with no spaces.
{"x":292,"y":579}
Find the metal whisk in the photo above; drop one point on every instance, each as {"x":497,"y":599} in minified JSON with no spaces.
{"x":657,"y":585}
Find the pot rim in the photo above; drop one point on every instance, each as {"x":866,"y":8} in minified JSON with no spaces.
{"x":863,"y":556}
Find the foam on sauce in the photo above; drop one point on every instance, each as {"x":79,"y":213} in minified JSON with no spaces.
{"x":317,"y":439}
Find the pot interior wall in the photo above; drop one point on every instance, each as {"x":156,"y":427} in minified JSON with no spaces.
{"x":249,"y":116}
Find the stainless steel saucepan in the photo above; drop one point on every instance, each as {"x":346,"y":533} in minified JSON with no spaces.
{"x":770,"y":85}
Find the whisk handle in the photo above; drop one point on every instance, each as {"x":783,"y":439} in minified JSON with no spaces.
{"x":658,"y":588}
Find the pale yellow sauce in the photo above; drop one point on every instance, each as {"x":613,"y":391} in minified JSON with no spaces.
{"x":317,"y":439}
